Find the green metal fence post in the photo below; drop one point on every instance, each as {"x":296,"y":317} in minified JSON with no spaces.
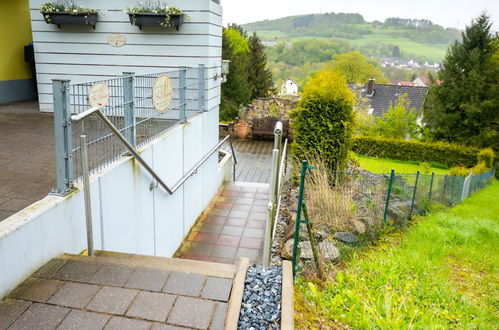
{"x":304,"y":167}
{"x":414,"y":194}
{"x":388,"y":193}
{"x":431,"y":185}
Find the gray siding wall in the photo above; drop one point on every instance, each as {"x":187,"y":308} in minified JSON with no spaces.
{"x":82,"y":54}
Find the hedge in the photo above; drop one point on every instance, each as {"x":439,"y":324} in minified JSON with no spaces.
{"x":445,"y":153}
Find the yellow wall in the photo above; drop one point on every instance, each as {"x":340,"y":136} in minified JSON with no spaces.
{"x":15,"y":33}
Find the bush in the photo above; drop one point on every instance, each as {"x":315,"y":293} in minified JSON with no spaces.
{"x":486,"y":156}
{"x":459,"y":171}
{"x":480,"y":168}
{"x":441,"y":152}
{"x":322,"y":122}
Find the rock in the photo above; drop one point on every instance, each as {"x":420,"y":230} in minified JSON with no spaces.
{"x":347,"y":238}
{"x":328,"y":251}
{"x":287,"y":250}
{"x":359,"y":227}
{"x":321,"y":235}
{"x":306,"y":250}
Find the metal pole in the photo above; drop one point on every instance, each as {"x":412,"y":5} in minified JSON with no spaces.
{"x":201,"y":92}
{"x":387,"y":204}
{"x":86,"y":192}
{"x":129,"y":106}
{"x":414,"y":194}
{"x":304,"y":168}
{"x":182,"y":83}
{"x":63,"y":136}
{"x":312,"y":241}
{"x":431,"y":185}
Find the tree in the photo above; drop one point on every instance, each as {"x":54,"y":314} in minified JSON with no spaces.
{"x":236,"y":91}
{"x":259,"y":76}
{"x":399,"y":122}
{"x":356,"y":68}
{"x":463,"y":108}
{"x":322,"y":122}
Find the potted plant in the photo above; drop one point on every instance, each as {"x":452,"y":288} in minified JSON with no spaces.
{"x":156,"y":13}
{"x":242,"y":130}
{"x":68,"y":13}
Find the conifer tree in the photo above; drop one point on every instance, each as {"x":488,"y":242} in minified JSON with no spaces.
{"x":259,"y":76}
{"x":464,"y":107}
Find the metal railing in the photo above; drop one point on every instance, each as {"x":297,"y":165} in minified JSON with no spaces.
{"x":279,"y":154}
{"x":129,"y":108}
{"x":85,"y":168}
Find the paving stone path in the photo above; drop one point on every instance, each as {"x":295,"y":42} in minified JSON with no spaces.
{"x":86,"y":294}
{"x":254,"y":160}
{"x":232,"y":227}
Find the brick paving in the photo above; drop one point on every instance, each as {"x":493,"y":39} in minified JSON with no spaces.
{"x":27,"y":156}
{"x":59,"y":296}
{"x":232,"y":227}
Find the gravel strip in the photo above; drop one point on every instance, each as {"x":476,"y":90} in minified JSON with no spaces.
{"x":261,"y":306}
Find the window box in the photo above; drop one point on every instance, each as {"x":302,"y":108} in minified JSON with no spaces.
{"x":153,"y":19}
{"x":65,"y":18}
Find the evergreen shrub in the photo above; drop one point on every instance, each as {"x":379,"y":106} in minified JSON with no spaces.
{"x":322,"y":122}
{"x":440,"y":152}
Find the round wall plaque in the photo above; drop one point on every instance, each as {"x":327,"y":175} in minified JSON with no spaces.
{"x":162,"y":93}
{"x":116,"y":40}
{"x":98,"y":95}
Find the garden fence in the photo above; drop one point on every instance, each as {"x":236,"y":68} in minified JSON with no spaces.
{"x":384,"y":199}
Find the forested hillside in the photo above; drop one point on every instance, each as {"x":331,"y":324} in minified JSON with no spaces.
{"x":302,"y":44}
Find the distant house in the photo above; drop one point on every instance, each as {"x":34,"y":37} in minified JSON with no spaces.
{"x":289,"y":87}
{"x":424,"y":81}
{"x":406,"y":83}
{"x":380,"y":96}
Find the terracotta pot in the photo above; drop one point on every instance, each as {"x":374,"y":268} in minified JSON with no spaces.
{"x":242,"y":130}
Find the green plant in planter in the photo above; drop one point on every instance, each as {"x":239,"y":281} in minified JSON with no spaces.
{"x":64,"y":6}
{"x":157,"y":8}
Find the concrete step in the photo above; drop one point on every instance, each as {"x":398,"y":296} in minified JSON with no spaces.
{"x":118,"y":290}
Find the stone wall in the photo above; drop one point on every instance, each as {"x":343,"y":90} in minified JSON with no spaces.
{"x":264,"y":107}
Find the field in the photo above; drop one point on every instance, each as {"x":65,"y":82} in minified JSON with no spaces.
{"x":440,"y":274}
{"x":384,"y":165}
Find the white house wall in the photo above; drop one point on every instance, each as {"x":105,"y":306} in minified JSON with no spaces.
{"x":81,"y":54}
{"x":127,"y":216}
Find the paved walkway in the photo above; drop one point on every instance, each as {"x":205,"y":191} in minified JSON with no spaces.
{"x":27,"y":156}
{"x":254,"y":160}
{"x":232,"y":227}
{"x":78,"y":292}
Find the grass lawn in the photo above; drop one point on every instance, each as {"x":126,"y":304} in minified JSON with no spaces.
{"x":385,"y":165}
{"x":441,"y":273}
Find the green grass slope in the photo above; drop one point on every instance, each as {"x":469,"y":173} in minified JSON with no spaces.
{"x":441,"y":274}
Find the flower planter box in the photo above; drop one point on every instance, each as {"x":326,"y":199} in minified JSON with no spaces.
{"x":152,"y":19}
{"x":65,"y":18}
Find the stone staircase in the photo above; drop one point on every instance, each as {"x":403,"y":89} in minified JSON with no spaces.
{"x":125,"y":291}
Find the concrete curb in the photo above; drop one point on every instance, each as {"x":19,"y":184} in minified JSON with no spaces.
{"x":236,"y":296}
{"x":287,"y":303}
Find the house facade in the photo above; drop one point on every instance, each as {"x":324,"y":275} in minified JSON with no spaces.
{"x":16,"y":77}
{"x":289,"y":87}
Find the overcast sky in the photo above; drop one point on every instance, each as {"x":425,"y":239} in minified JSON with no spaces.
{"x":449,"y":13}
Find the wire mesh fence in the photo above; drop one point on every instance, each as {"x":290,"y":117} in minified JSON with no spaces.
{"x":131,"y":109}
{"x":364,"y":203}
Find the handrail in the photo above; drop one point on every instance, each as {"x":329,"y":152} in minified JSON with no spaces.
{"x":96,"y":111}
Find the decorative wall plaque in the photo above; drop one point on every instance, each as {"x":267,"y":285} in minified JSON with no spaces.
{"x":98,"y":95}
{"x":116,"y":40}
{"x":162,"y":93}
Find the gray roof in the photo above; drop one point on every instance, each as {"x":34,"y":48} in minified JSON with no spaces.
{"x":384,"y":94}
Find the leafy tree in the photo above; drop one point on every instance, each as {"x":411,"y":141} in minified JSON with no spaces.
{"x":236,"y":91}
{"x":464,"y":107}
{"x":356,"y":68}
{"x":322,"y":123}
{"x":399,"y":122}
{"x":259,"y":76}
